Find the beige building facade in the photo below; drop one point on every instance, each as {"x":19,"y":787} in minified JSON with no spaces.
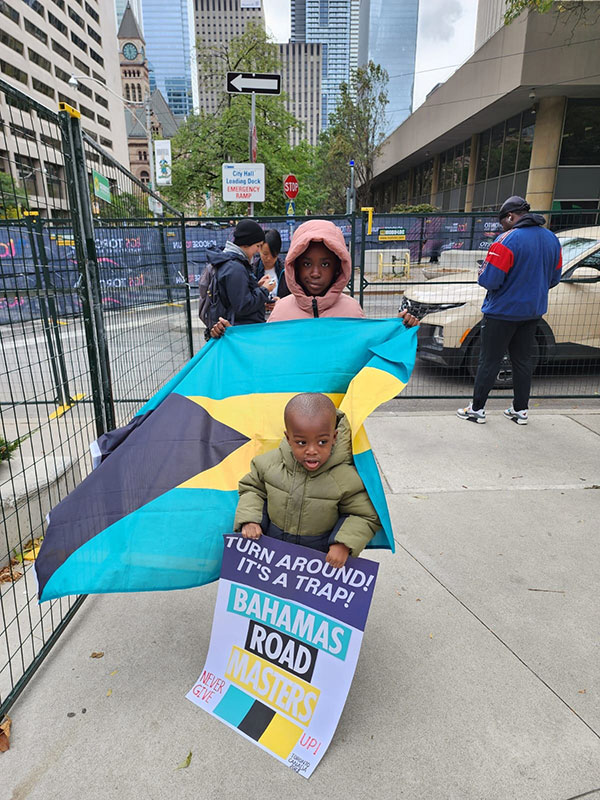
{"x":217,"y":23}
{"x":521,"y":116}
{"x":301,"y":67}
{"x":42,"y":44}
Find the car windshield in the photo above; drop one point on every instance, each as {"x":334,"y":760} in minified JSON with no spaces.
{"x":571,"y":248}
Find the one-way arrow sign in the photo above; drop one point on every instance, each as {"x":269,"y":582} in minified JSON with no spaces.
{"x":253,"y":82}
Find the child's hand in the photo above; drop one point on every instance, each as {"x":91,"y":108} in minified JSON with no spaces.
{"x":337,"y":555}
{"x":251,"y":530}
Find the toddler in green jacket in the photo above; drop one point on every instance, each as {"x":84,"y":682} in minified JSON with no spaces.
{"x":308,"y":491}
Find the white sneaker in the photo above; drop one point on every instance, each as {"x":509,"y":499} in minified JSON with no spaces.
{"x":520,"y":417}
{"x":472,"y":416}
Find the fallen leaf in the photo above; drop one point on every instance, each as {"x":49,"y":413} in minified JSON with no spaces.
{"x":97,"y":655}
{"x":582,"y":691}
{"x":114,"y":672}
{"x":398,"y":593}
{"x":5,"y":734}
{"x":516,"y":476}
{"x":421,"y":496}
{"x":464,"y":487}
{"x":31,"y":555}
{"x":418,"y":600}
{"x":431,"y":635}
{"x":185,"y":764}
{"x":109,"y":692}
{"x":9,"y":574}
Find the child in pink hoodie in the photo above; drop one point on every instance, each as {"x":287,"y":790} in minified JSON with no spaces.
{"x":317,"y":270}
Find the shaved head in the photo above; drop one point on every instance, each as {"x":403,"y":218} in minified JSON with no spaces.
{"x":309,"y":404}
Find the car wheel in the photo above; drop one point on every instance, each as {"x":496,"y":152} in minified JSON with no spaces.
{"x":504,"y":378}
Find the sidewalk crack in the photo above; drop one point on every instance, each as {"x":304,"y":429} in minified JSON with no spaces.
{"x":507,"y":646}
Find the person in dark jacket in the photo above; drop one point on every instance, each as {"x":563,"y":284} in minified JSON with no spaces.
{"x":241,"y":293}
{"x":270,"y":263}
{"x":520,"y":268}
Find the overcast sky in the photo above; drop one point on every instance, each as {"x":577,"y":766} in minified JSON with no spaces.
{"x":445,"y":39}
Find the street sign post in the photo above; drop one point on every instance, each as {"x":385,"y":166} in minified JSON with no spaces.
{"x":290,"y":187}
{"x":253,"y":83}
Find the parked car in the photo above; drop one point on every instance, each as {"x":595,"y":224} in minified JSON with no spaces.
{"x":570,"y":330}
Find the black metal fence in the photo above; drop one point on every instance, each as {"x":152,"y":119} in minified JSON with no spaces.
{"x":96,"y":274}
{"x":89,"y":330}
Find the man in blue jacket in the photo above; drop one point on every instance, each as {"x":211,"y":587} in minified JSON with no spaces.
{"x":521,"y":266}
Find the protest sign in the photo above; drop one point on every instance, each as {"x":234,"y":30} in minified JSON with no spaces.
{"x":285,"y":641}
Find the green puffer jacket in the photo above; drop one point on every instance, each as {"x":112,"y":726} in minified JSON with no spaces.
{"x":306,"y":503}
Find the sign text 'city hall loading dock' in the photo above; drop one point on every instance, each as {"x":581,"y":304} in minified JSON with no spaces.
{"x":244,"y":183}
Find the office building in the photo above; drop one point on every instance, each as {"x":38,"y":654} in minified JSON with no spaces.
{"x":135,"y":88}
{"x":301,"y":81}
{"x":335,"y":25}
{"x":171,"y":52}
{"x":388,"y":36}
{"x":521,"y":116}
{"x":217,"y":22}
{"x":42,"y":44}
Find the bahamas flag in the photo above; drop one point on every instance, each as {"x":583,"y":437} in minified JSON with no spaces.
{"x":151,"y":516}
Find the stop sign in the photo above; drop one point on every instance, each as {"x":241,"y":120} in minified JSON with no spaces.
{"x":290,"y":186}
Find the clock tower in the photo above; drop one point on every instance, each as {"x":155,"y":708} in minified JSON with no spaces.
{"x":135,"y":82}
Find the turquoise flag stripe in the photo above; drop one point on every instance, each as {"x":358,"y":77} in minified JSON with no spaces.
{"x":367,"y":469}
{"x":262,"y":359}
{"x":149,"y":549}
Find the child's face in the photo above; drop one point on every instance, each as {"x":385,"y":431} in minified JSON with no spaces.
{"x":311,"y":438}
{"x":267,"y":257}
{"x":316,"y":269}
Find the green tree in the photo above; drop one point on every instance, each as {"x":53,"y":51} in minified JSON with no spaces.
{"x":12,"y":197}
{"x":206,"y":141}
{"x":571,"y":12}
{"x":355,"y":131}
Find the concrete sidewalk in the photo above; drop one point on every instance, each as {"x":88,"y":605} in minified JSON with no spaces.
{"x":479,"y":673}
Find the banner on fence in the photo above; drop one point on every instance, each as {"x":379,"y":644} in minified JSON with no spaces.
{"x":286,"y":635}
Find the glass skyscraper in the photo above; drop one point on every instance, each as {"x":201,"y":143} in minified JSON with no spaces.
{"x":333,"y":24}
{"x":388,"y":36}
{"x":170,"y":47}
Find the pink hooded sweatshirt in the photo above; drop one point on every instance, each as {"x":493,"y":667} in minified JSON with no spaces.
{"x":298,"y":305}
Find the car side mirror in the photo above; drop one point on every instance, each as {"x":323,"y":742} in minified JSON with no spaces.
{"x":584,"y":274}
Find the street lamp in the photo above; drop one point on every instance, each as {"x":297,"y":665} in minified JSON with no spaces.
{"x":74,"y":81}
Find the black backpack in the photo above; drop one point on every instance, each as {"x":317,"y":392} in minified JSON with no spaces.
{"x":210,"y":306}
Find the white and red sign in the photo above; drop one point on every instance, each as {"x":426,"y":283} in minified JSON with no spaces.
{"x":244,"y":183}
{"x":290,"y":186}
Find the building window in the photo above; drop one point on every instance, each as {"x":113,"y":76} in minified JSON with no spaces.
{"x":76,"y":18}
{"x":95,"y":36}
{"x":60,"y":26}
{"x":144,"y":177}
{"x":35,"y":31}
{"x":581,"y":134}
{"x":62,"y":51}
{"x":40,"y":60}
{"x":103,"y":121}
{"x":36,"y":6}
{"x":54,"y":181}
{"x":79,"y":42}
{"x":81,"y":65}
{"x":13,"y":72}
{"x":10,"y":41}
{"x":9,"y":11}
{"x":60,"y":4}
{"x":127,"y":95}
{"x":86,"y":112}
{"x":96,"y":57}
{"x":42,"y":87}
{"x":92,"y":13}
{"x":64,"y":76}
{"x":101,"y":101}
